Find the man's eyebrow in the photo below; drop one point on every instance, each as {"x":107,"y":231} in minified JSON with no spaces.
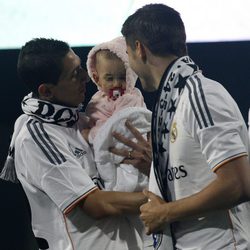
{"x":77,"y":67}
{"x":73,"y":70}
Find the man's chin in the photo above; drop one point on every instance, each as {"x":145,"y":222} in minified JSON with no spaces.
{"x":147,"y":86}
{"x":82,"y":97}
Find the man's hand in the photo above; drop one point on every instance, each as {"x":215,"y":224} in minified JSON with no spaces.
{"x":228,"y":189}
{"x":153,"y":213}
{"x":140,"y":155}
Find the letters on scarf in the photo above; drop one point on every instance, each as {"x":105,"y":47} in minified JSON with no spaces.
{"x":171,"y":87}
{"x":49,"y":112}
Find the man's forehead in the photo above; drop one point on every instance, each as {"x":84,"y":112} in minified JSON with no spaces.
{"x":72,"y":56}
{"x":71,"y":61}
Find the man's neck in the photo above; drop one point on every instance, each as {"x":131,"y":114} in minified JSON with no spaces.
{"x":158,"y":67}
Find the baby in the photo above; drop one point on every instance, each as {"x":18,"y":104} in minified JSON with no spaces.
{"x":116,"y":100}
{"x":108,"y":67}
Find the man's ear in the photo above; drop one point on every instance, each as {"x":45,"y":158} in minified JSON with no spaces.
{"x":45,"y":91}
{"x":141,"y":50}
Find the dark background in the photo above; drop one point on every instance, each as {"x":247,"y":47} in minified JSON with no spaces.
{"x":226,"y":62}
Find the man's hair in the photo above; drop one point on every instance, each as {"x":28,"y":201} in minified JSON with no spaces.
{"x":40,"y":61}
{"x":159,"y":27}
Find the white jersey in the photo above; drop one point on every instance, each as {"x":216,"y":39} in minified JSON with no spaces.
{"x":56,"y":168}
{"x":207,"y":131}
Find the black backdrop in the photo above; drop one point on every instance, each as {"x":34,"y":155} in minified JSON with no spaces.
{"x":227,"y":62}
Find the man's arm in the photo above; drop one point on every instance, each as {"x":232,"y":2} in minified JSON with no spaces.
{"x":231,"y":187}
{"x":99,"y":204}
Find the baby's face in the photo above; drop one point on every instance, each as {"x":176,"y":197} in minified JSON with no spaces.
{"x":111,"y":74}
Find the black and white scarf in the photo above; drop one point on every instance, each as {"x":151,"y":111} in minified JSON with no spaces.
{"x":44,"y":111}
{"x":50,"y":113}
{"x":169,"y":92}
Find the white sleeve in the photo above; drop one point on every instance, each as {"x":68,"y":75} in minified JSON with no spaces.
{"x":214,"y":120}
{"x":65,"y":182}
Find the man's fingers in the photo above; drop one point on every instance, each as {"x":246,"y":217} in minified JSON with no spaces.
{"x":134,"y":155}
{"x":133,"y":145}
{"x":129,"y":158}
{"x":149,"y":194}
{"x":120,"y":152}
{"x":144,"y":220}
{"x":134,"y":131}
{"x":121,"y":138}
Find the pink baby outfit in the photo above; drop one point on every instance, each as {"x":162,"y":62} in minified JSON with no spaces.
{"x":101,"y":107}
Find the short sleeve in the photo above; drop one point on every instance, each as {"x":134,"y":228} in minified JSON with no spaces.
{"x":67,"y":184}
{"x":64,"y":182}
{"x":214,"y":120}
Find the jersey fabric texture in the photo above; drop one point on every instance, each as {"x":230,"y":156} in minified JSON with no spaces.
{"x":56,"y":168}
{"x":207,"y":131}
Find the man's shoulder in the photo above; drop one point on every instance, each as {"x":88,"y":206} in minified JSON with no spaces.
{"x":205,"y":90}
{"x":198,"y":81}
{"x":29,"y":128}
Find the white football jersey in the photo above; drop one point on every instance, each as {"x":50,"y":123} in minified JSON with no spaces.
{"x":56,"y":168}
{"x":207,"y":131}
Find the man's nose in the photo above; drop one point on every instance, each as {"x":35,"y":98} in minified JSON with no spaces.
{"x":85,"y":76}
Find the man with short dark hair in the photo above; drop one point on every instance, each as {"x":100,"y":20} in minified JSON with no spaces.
{"x":55,"y":164}
{"x":199,"y":138}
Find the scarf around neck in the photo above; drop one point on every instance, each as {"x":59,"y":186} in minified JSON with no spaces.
{"x":50,"y":113}
{"x":171,"y":87}
{"x":45,"y":112}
